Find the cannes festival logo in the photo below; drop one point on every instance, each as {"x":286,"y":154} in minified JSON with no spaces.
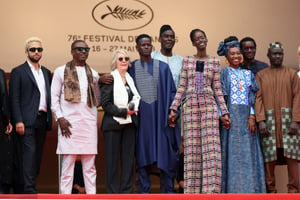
{"x":122,"y":15}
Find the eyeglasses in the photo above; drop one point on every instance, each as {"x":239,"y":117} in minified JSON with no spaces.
{"x":123,"y":58}
{"x":87,"y":49}
{"x":248,"y":48}
{"x":34,"y":49}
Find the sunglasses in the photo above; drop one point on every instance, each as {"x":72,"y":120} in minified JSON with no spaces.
{"x":86,"y":49}
{"x":123,"y":58}
{"x":34,"y":49}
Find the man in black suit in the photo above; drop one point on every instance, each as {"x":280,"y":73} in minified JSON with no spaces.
{"x":29,"y":92}
{"x":6,"y":144}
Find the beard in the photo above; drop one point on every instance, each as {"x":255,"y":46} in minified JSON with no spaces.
{"x":33,"y":59}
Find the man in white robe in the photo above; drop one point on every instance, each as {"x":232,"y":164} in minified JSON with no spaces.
{"x":74,"y":104}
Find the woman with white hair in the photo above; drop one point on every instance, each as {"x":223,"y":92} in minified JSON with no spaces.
{"x":120,"y":101}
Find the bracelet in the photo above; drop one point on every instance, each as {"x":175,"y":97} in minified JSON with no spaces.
{"x":252,"y":117}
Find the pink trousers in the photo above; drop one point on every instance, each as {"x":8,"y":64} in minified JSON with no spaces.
{"x":88,"y":170}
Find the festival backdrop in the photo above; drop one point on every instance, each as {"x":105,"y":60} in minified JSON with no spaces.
{"x":107,"y":25}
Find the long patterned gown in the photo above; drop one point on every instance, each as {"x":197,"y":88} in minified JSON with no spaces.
{"x":202,"y":149}
{"x":242,"y":159}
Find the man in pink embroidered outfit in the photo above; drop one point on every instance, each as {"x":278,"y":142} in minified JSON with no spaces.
{"x":74,"y":102}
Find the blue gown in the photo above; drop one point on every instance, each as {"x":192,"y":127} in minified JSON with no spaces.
{"x":242,"y":160}
{"x":156,"y":142}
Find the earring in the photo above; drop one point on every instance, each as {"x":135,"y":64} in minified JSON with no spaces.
{"x":226,"y":61}
{"x":242,"y":60}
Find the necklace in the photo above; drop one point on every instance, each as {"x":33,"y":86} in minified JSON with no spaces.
{"x":238,"y":79}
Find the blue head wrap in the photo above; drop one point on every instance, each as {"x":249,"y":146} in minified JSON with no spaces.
{"x":224,"y":47}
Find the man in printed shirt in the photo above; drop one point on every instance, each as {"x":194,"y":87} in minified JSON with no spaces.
{"x":248,"y":49}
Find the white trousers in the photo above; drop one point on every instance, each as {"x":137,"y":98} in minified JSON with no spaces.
{"x":88,"y":170}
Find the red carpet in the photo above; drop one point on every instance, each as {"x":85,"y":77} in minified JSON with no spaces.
{"x":280,"y":196}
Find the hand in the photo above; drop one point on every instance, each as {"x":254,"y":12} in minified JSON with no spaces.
{"x":181,"y":184}
{"x":20,"y":128}
{"x":131,"y":112}
{"x":8,"y":128}
{"x":293,"y":128}
{"x":106,"y":79}
{"x":64,"y":127}
{"x":225,"y":121}
{"x":263,"y":128}
{"x":252,"y":126}
{"x":172,"y":118}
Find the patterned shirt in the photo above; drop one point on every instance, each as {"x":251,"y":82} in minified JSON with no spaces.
{"x":240,"y":86}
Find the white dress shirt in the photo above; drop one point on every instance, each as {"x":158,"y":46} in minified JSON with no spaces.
{"x":40,"y":81}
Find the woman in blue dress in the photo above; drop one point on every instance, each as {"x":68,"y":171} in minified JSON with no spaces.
{"x":242,"y":161}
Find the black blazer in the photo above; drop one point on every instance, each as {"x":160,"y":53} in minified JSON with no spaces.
{"x":4,"y":112}
{"x":110,"y":110}
{"x":24,"y":95}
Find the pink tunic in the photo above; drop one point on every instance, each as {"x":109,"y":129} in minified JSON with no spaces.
{"x":83,"y":119}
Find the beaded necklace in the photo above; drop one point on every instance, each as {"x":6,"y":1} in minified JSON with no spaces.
{"x":238,"y":79}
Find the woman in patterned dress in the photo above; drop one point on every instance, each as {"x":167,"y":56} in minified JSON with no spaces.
{"x":200,"y":92}
{"x":242,"y":161}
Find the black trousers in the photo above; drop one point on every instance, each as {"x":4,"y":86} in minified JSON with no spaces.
{"x":6,"y":160}
{"x":119,"y":144}
{"x":32,"y":145}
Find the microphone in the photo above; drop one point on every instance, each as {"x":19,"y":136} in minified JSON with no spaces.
{"x":131,"y":106}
